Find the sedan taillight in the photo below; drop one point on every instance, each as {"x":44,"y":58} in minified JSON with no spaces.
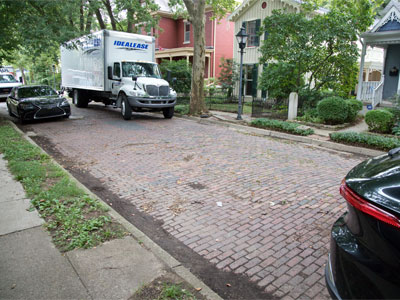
{"x":361,"y":204}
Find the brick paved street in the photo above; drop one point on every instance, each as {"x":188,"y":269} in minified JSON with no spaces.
{"x":278,"y":198}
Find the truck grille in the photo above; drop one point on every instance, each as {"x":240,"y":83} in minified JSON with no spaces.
{"x":5,"y":90}
{"x":154,"y":90}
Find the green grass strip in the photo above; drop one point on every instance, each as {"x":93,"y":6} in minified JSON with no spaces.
{"x":74,"y":219}
{"x":374,"y":141}
{"x":281,"y":126}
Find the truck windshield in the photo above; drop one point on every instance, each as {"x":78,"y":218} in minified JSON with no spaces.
{"x":7,"y":78}
{"x":137,"y":69}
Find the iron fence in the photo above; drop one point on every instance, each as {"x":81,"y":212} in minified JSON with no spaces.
{"x":269,"y":108}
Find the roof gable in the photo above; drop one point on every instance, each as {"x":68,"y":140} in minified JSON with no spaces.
{"x":247,"y":4}
{"x":391,"y":18}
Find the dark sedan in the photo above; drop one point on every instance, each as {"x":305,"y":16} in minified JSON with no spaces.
{"x":364,"y":259}
{"x":37,"y":102}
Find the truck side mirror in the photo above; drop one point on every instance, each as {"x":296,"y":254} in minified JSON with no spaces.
{"x":174,"y":80}
{"x":109,"y":73}
{"x":169,"y":75}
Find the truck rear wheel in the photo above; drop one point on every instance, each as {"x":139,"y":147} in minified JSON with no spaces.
{"x":168,"y":112}
{"x":79,"y":99}
{"x":126,"y":109}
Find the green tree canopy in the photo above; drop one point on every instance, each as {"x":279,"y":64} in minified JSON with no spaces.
{"x":318,"y":52}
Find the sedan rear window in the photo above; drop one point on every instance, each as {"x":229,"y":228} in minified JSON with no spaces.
{"x":36,"y":91}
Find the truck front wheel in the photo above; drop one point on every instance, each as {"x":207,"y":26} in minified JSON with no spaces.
{"x":126,"y":109}
{"x":79,"y":99}
{"x":168,"y":112}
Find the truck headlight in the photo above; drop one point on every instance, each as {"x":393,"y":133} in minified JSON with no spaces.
{"x":172,"y":92}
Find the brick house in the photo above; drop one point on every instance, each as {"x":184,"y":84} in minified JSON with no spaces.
{"x":175,"y":39}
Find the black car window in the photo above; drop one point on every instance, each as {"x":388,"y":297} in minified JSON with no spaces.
{"x":36,"y":91}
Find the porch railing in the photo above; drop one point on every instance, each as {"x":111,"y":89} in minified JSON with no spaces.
{"x":367,"y":91}
{"x":377,"y":94}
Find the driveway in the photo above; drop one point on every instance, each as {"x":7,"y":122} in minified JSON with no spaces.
{"x":253,"y":207}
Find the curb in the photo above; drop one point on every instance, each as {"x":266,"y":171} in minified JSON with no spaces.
{"x":160,"y":253}
{"x":297,"y":138}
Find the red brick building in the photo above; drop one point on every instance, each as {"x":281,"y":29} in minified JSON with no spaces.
{"x":174,"y":41}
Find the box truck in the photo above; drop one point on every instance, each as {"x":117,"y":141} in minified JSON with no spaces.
{"x":118,"y":69}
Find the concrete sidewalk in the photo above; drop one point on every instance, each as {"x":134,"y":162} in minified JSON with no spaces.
{"x":32,"y":268}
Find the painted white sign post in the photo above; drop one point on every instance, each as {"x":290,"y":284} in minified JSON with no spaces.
{"x":293,"y":103}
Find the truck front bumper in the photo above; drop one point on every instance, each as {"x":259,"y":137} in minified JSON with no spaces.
{"x":153,"y":103}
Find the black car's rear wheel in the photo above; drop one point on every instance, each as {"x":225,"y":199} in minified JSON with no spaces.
{"x":80,"y":99}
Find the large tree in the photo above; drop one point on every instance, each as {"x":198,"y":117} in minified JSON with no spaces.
{"x":41,"y":26}
{"x":195,"y":14}
{"x":317,"y":52}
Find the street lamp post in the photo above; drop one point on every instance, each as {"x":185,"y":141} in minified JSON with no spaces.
{"x":241,"y":38}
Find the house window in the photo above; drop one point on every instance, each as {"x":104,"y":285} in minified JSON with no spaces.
{"x":252,"y":28}
{"x":187,"y":32}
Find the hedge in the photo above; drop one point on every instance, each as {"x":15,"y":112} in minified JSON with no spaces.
{"x":380,"y":121}
{"x":333,"y":110}
{"x":365,"y":139}
{"x":354,"y":106}
{"x":281,"y":126}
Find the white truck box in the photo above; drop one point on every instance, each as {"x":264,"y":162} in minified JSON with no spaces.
{"x":116,"y":68}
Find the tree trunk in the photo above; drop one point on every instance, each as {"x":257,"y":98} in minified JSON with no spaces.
{"x":197,"y":105}
{"x":98,"y":14}
{"x":81,"y":18}
{"x":23,"y":74}
{"x":129,"y":13}
{"x":107,"y":4}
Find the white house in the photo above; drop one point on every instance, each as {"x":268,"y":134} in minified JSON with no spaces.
{"x":385,"y":34}
{"x":250,"y":14}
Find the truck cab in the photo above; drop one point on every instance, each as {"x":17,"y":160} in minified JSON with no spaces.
{"x":138,"y":86}
{"x":7,"y":82}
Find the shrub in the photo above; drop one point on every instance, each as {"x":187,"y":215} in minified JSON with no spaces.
{"x":310,"y":98}
{"x":371,"y":140}
{"x":380,"y":121}
{"x":179,"y":69}
{"x":353,"y":106}
{"x":282,"y":126}
{"x":310,"y":115}
{"x":182,"y":109}
{"x":333,"y":110}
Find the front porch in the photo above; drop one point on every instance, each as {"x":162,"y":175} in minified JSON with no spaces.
{"x":385,"y":35}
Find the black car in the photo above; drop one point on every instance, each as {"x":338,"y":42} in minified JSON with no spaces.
{"x":364,"y":259}
{"x":37,"y":102}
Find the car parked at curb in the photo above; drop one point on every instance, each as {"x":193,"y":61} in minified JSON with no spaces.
{"x":364,"y":258}
{"x":37,"y":102}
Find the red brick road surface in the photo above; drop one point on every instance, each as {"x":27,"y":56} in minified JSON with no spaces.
{"x":251,"y":205}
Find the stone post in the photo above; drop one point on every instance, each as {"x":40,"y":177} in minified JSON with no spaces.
{"x":293,"y":103}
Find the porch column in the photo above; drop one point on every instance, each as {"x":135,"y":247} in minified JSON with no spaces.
{"x":360,"y":77}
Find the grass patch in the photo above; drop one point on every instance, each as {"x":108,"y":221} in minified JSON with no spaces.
{"x":174,"y":291}
{"x":74,"y":219}
{"x":282,"y":126}
{"x":167,"y":287}
{"x":365,"y":139}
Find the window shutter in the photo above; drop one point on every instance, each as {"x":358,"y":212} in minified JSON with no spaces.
{"x":257,"y":38}
{"x":254,"y":84}
{"x":264,"y":92}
